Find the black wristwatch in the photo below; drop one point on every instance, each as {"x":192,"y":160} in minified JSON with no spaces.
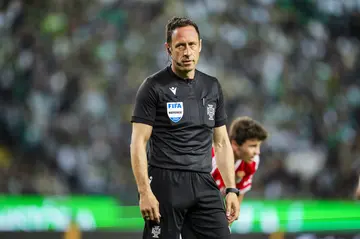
{"x":232,"y":190}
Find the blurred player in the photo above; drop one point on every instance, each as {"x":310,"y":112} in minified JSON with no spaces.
{"x":246,"y":136}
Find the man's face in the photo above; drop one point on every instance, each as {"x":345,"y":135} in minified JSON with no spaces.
{"x":248,"y":150}
{"x":185,"y":48}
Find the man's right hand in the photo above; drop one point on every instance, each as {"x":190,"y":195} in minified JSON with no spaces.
{"x":149,"y":206}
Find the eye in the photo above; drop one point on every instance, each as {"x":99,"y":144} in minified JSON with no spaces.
{"x":192,"y":44}
{"x":180,"y":46}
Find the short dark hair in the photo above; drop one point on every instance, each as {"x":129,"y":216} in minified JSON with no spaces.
{"x":245,"y":128}
{"x":177,"y":22}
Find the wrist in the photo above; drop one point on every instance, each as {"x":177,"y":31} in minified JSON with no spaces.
{"x":232,"y":190}
{"x":144,"y":191}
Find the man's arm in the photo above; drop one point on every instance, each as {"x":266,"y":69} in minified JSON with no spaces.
{"x":143,"y":118}
{"x":224,"y":156}
{"x":225,"y":162}
{"x":139,"y":138}
{"x":149,"y":205}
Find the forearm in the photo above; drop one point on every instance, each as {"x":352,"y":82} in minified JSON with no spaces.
{"x":139,"y":166}
{"x":225,"y":163}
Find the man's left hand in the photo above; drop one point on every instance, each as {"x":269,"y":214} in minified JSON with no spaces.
{"x":232,"y":207}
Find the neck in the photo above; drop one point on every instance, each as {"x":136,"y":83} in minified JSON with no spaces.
{"x":183,"y":74}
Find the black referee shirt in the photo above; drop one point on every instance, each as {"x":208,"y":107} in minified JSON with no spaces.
{"x":183,"y":114}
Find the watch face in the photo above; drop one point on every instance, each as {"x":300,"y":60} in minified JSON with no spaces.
{"x":233,"y":190}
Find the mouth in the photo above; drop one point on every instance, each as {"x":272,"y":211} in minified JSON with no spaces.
{"x":187,"y":62}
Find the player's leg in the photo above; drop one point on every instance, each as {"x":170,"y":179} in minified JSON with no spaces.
{"x":164,"y":186}
{"x":207,"y":219}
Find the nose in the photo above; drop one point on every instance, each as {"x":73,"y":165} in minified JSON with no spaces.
{"x":187,"y":51}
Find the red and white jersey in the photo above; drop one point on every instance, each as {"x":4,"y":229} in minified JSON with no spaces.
{"x":244,"y":173}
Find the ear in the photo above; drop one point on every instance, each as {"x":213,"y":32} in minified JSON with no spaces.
{"x":234,"y":145}
{"x":167,"y":48}
{"x":200,"y":46}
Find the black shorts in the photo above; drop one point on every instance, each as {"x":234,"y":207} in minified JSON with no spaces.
{"x":190,"y":205}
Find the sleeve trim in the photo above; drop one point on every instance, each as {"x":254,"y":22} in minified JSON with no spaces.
{"x":141,"y":120}
{"x":220,"y":123}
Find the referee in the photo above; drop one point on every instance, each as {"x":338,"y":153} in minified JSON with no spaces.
{"x":180,"y":112}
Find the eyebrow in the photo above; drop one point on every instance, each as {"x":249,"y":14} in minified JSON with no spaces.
{"x":184,"y":43}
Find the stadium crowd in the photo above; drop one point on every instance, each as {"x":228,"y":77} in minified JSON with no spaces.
{"x":69,"y":72}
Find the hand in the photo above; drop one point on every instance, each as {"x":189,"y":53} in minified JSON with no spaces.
{"x":149,"y":207}
{"x":232,"y":207}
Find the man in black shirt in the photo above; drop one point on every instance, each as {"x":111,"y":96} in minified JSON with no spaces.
{"x":180,"y":112}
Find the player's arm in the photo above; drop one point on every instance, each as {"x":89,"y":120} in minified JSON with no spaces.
{"x":143,"y":119}
{"x":224,"y":156}
{"x":149,"y":206}
{"x":223,"y":151}
{"x":139,"y":138}
{"x":245,"y":186}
